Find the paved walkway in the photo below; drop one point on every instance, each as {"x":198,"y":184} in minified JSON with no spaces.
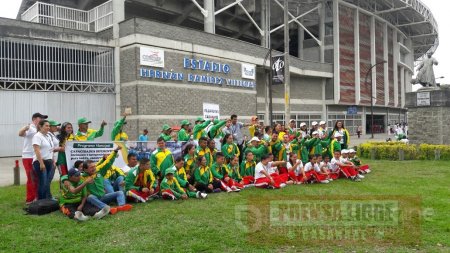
{"x":7,"y":164}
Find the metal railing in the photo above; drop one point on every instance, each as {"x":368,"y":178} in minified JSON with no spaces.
{"x":97,"y":19}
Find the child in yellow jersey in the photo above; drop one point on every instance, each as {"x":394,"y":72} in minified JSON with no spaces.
{"x":189,"y":161}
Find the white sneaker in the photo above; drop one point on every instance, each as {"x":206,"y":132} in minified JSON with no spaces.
{"x":249,"y":185}
{"x":368,"y":171}
{"x":102,"y":213}
{"x":203,"y":195}
{"x":235,"y":189}
{"x":80,"y":216}
{"x":360,"y":176}
{"x":324,"y":182}
{"x":229,"y":189}
{"x":330,"y":179}
{"x":282,"y":185}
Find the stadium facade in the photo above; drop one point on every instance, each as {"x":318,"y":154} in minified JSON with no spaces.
{"x":165,"y":58}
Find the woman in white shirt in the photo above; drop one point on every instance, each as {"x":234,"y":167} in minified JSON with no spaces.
{"x":43,"y":158}
{"x":294,"y":167}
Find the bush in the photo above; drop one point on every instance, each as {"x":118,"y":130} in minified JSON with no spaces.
{"x":391,"y":150}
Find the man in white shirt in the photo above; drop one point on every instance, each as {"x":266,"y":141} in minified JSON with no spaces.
{"x":346,"y":167}
{"x":263,"y":179}
{"x":28,"y":132}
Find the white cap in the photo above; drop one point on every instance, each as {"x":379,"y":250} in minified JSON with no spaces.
{"x":302,"y":124}
{"x":322,"y":122}
{"x":314,"y":123}
{"x":315,"y":132}
{"x":344,"y":151}
{"x":292,"y":120}
{"x":351,"y":151}
{"x":337,"y":134}
{"x":254,"y":139}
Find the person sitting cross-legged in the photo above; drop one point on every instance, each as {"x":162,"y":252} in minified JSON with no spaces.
{"x":140,"y":183}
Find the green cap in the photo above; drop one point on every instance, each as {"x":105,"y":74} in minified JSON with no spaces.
{"x":166,"y":127}
{"x":53,"y":122}
{"x":185,"y":122}
{"x":201,"y":119}
{"x":170,"y":171}
{"x":83,"y":120}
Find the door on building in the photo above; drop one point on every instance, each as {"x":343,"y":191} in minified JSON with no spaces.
{"x":378,"y":124}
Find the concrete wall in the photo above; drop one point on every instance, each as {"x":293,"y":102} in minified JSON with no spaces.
{"x":429,"y":124}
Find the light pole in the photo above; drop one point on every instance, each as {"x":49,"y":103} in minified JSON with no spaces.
{"x":371,"y":93}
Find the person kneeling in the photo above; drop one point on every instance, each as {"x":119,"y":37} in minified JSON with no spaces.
{"x":73,"y":197}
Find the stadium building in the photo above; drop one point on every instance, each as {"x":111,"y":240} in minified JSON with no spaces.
{"x":165,"y":58}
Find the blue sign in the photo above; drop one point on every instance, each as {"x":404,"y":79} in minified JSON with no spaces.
{"x":352,"y":110}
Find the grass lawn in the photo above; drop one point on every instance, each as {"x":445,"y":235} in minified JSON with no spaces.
{"x":209,"y":225}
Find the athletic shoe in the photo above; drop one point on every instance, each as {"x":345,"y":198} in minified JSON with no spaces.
{"x":330,"y":179}
{"x":203,"y":195}
{"x":113,"y":210}
{"x":229,"y":189}
{"x":282,"y":185}
{"x":324,"y":182}
{"x":368,"y":171}
{"x":270,"y":187}
{"x":235,"y":189}
{"x":249,"y":185}
{"x":124,"y":208}
{"x":80,"y":216}
{"x":356,"y":179}
{"x":102,"y":213}
{"x":198,"y":195}
{"x":360,"y":176}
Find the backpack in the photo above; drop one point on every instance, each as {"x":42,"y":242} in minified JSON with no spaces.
{"x":42,"y":206}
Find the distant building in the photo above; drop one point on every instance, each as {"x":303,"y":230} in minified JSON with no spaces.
{"x":164,"y":59}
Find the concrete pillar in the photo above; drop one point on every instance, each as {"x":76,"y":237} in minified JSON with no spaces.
{"x":210,"y":19}
{"x":287,"y":72}
{"x":395,"y":53}
{"x":336,"y":67}
{"x":373,"y":59}
{"x":322,"y":13}
{"x":118,"y":16}
{"x":301,"y":38}
{"x":386,"y":65}
{"x":402,"y":86}
{"x":265,"y":23}
{"x":357,"y":59}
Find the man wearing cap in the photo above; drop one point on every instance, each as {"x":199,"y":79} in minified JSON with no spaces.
{"x":85,"y":133}
{"x":52,"y":137}
{"x":28,"y":132}
{"x":74,"y":195}
{"x":256,"y":148}
{"x":323,"y":130}
{"x":185,"y":132}
{"x":165,"y":133}
{"x":335,"y":144}
{"x":117,"y":133}
{"x":199,"y":128}
{"x":161,"y":159}
{"x":314,"y":127}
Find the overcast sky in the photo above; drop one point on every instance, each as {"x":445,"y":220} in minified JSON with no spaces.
{"x":439,"y":8}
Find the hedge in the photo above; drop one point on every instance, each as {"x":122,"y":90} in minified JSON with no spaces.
{"x":402,"y":151}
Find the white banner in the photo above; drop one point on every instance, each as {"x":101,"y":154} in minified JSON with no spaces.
{"x":152,"y":57}
{"x":94,"y":151}
{"x":248,"y":71}
{"x":211,"y":111}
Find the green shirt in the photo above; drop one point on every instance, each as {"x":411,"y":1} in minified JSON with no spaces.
{"x":97,"y":188}
{"x":71,"y":198}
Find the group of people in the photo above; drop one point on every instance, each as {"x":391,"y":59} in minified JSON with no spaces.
{"x":217,"y":158}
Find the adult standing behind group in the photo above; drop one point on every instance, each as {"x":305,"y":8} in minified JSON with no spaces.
{"x":339,"y":128}
{"x":235,"y":130}
{"x":65,"y":135}
{"x":28,"y":132}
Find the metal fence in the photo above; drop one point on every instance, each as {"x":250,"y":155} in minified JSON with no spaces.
{"x":54,"y":62}
{"x":97,"y":19}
